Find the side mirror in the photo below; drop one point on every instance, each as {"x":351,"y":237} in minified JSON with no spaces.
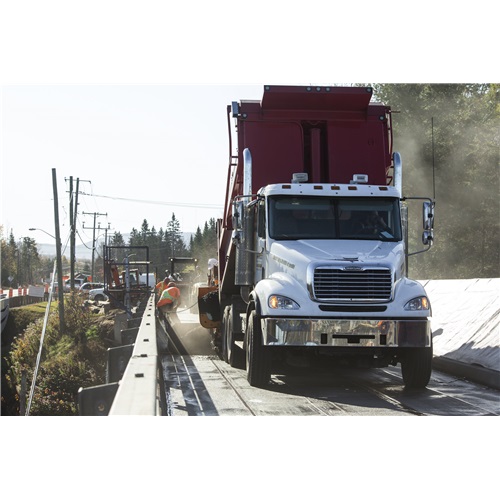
{"x":237,"y":211}
{"x":428,"y":215}
{"x":427,"y":237}
{"x":236,"y":237}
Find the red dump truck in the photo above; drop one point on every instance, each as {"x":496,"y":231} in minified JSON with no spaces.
{"x":312,"y":246}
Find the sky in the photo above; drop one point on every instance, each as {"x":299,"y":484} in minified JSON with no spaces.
{"x":139,"y":152}
{"x":133,"y":102}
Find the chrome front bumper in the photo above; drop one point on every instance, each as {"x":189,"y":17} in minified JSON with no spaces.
{"x":346,"y":333}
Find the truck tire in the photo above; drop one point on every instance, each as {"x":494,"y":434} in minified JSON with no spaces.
{"x":235,"y":355}
{"x":257,"y":359}
{"x":416,"y":368}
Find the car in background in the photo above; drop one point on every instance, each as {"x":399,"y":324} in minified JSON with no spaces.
{"x":98,"y":295}
{"x":87,"y":287}
{"x":78,"y":282}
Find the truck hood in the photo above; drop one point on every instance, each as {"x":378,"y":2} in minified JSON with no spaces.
{"x":293,"y":257}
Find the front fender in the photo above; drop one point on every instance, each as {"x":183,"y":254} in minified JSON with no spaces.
{"x":406,"y":290}
{"x":279,"y":284}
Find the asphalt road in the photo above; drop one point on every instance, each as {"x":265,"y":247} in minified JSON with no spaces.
{"x":198,"y":383}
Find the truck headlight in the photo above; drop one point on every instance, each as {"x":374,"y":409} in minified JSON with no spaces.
{"x":280,"y":302}
{"x":418,"y":304}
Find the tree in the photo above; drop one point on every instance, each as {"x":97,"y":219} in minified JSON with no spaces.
{"x":173,"y":238}
{"x":204,"y":244}
{"x":8,"y":256}
{"x":451,"y":134}
{"x":28,"y":259}
{"x":116,"y":240}
{"x":134,"y":238}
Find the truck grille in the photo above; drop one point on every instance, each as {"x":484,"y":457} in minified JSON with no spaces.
{"x":356,"y":284}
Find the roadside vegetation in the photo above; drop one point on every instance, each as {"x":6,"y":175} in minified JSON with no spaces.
{"x":71,"y":359}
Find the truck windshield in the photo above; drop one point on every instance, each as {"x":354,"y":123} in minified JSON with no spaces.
{"x":315,"y":218}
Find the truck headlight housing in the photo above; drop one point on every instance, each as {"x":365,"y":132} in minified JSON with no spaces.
{"x":418,"y":304}
{"x":281,"y":302}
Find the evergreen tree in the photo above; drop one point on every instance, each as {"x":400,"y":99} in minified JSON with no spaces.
{"x":8,"y":260}
{"x":204,"y":245}
{"x":117,"y":240}
{"x":28,"y":260}
{"x":173,"y":238}
{"x":134,"y":238}
{"x":450,"y":133}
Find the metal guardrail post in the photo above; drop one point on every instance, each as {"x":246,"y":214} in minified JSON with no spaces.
{"x":118,"y":358}
{"x":97,"y":400}
{"x":129,"y":335}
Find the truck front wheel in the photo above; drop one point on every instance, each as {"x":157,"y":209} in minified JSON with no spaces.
{"x":258,"y":363}
{"x":416,"y":368}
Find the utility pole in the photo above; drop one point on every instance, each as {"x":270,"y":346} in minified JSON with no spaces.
{"x":73,"y":210}
{"x":59,"y":256}
{"x":72,"y":237}
{"x":73,"y":231}
{"x":106,"y":234}
{"x":95,"y":214}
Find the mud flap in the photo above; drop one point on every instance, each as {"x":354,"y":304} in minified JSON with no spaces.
{"x":209,"y":307}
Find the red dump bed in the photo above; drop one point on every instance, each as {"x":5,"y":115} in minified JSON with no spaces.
{"x":331,"y":133}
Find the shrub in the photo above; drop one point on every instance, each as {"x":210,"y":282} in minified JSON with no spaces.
{"x":71,"y":359}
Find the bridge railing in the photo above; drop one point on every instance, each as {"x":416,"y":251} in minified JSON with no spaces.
{"x":132,"y":373}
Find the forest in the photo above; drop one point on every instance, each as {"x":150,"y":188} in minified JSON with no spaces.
{"x":449,"y":139}
{"x":22,"y":262}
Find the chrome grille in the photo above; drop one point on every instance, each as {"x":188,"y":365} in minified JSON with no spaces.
{"x":356,"y":284}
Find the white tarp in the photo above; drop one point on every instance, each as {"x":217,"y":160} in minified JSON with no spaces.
{"x":466,"y":320}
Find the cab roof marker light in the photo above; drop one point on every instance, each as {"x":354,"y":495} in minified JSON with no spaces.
{"x":359,"y":179}
{"x":300,"y":178}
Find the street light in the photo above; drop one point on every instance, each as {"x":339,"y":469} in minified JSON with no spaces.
{"x":60,"y":291}
{"x":43,"y":231}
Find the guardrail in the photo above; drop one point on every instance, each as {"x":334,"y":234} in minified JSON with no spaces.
{"x":132,"y":372}
{"x":4,"y":312}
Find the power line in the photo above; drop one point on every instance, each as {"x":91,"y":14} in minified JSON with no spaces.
{"x":153,"y":202}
